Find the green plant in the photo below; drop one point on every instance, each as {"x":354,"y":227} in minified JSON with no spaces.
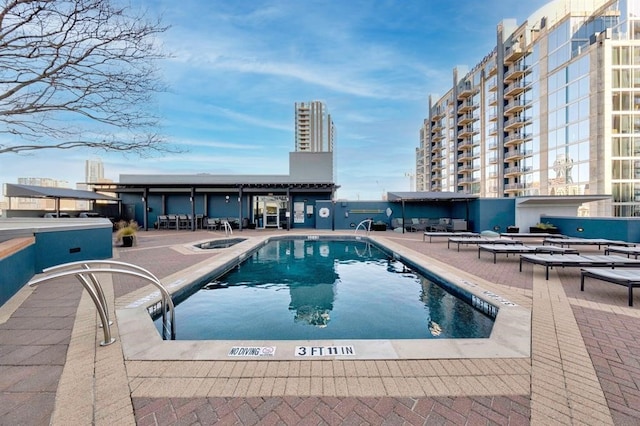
{"x":126,"y":229}
{"x":545,"y":225}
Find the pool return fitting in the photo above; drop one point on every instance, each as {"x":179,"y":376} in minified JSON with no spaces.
{"x":85,"y":271}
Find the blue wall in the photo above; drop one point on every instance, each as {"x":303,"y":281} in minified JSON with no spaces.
{"x":18,"y":269}
{"x":613,"y":228}
{"x":493,"y":214}
{"x":54,"y":247}
{"x":217,"y":206}
{"x":348,"y":214}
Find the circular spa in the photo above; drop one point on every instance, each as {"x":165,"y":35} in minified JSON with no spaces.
{"x":304,"y":289}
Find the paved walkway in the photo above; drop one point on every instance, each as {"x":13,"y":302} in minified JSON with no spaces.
{"x":584,"y":367}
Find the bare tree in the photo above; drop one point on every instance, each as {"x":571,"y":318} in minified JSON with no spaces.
{"x":78,"y":73}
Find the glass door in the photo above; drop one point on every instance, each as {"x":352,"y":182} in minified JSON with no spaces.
{"x":271,"y":215}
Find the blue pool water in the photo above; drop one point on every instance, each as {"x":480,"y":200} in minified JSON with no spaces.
{"x":317,"y":289}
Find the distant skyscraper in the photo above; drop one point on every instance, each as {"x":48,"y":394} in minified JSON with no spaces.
{"x":315,"y":131}
{"x":93,"y":171}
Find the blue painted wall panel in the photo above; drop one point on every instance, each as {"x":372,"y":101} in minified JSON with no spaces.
{"x":18,"y":269}
{"x":54,"y":248}
{"x":625,"y":229}
{"x":493,"y":214}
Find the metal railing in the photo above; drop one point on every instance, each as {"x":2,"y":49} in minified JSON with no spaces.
{"x":227,"y":227}
{"x":367,"y":227}
{"x":85,"y":271}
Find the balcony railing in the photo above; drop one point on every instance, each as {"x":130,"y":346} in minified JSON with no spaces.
{"x":513,"y":186}
{"x":515,"y":138}
{"x":513,"y":53}
{"x":516,"y":153}
{"x":467,"y":105}
{"x":516,"y":122}
{"x":516,"y":87}
{"x":516,"y":71}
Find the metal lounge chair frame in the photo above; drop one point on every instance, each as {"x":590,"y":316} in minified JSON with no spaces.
{"x":574,"y":260}
{"x":626,"y":277}
{"x":523,"y":249}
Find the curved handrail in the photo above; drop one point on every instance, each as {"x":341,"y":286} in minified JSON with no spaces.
{"x":84,"y":273}
{"x":227,"y":228}
{"x":368,"y":227}
{"x":96,"y":284}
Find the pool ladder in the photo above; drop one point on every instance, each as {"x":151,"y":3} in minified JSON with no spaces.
{"x":227,"y":227}
{"x":85,"y":271}
{"x":366,"y":225}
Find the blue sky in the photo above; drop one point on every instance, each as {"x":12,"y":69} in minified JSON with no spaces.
{"x":238,"y":67}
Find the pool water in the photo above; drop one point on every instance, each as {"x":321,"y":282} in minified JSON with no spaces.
{"x":317,"y":289}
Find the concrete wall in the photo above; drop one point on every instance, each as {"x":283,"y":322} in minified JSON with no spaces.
{"x":311,"y":167}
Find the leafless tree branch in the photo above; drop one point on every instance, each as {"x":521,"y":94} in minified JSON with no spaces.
{"x":78,"y":73}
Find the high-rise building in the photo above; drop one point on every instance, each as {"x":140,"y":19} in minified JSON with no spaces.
{"x":315,"y":131}
{"x":94,"y":171}
{"x":554,"y":109}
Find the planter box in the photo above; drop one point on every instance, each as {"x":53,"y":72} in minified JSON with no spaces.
{"x":379,"y":227}
{"x":512,"y":229}
{"x":536,"y":230}
{"x":127,"y":240}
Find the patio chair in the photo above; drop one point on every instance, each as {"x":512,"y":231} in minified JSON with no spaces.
{"x":163,"y":222}
{"x":416,"y":226}
{"x":172,"y":221}
{"x":212,"y":223}
{"x":183,"y":221}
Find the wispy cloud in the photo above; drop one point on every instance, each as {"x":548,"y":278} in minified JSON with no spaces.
{"x":238,"y":67}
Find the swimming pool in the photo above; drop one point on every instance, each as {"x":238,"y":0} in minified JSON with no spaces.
{"x":302,"y":289}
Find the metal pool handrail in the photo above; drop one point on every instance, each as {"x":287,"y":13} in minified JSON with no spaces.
{"x":227,"y":227}
{"x":367,"y":229}
{"x":84,"y":272}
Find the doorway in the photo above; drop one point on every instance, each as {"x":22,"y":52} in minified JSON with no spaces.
{"x":269,"y":211}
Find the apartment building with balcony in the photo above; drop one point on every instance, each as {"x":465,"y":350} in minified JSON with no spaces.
{"x":315,"y":131}
{"x":315,"y":134}
{"x":554,"y":109}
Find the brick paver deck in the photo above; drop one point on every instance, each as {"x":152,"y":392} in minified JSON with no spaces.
{"x":584,"y":367}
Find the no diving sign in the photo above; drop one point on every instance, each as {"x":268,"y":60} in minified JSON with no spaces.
{"x":252,"y":351}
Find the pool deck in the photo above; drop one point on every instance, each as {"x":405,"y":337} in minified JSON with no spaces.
{"x":584,"y":366}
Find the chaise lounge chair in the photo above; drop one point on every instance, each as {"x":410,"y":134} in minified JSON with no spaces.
{"x":523,"y":249}
{"x":574,"y":260}
{"x":481,"y":240}
{"x":626,"y":277}
{"x":562,"y":242}
{"x":629,"y":251}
